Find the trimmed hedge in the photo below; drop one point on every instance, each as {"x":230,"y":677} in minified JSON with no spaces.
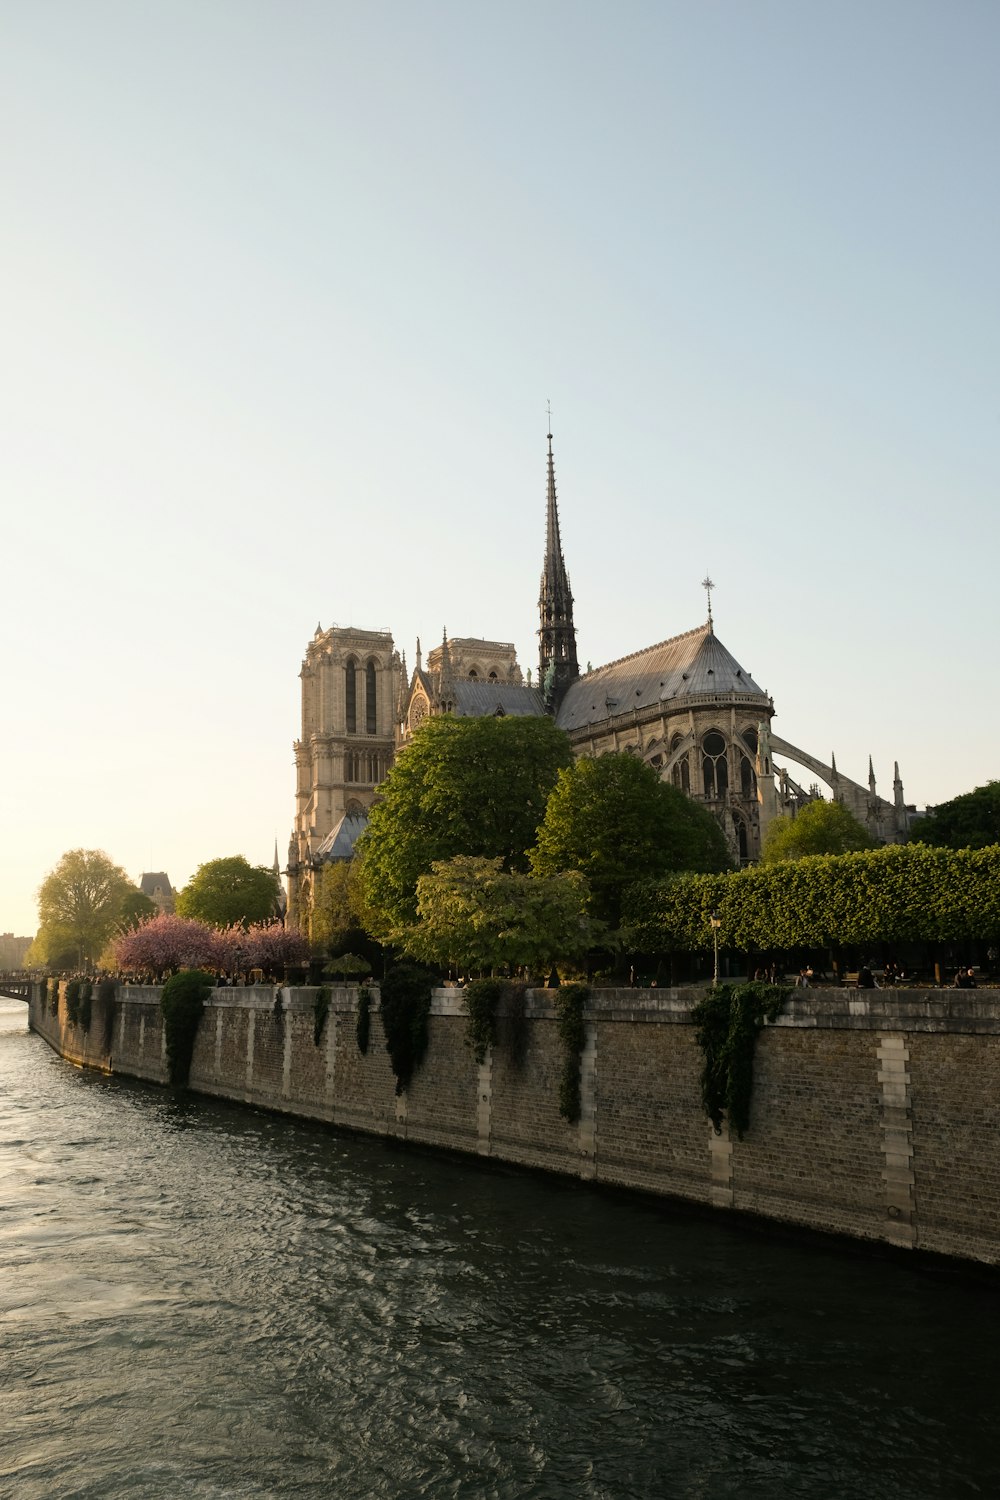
{"x":900,"y":893}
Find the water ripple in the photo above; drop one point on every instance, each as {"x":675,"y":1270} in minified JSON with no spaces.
{"x":206,"y":1302}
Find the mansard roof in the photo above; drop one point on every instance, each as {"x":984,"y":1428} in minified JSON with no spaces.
{"x":476,"y":698}
{"x":693,"y":665}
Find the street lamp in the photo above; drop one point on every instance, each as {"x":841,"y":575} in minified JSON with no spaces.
{"x":716,"y":924}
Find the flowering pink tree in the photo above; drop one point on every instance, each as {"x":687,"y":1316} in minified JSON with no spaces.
{"x":274,"y":948}
{"x":167,"y":941}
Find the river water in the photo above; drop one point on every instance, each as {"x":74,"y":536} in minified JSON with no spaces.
{"x":205,"y":1302}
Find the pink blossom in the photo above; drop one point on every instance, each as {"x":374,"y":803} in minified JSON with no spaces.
{"x":167,"y":941}
{"x":273,"y":947}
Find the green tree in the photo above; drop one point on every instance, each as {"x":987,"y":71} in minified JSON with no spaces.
{"x":338,"y":908}
{"x":479,"y":916}
{"x":462,"y":786}
{"x":134,"y":908}
{"x":225,"y":891}
{"x":80,"y":904}
{"x":971,"y":821}
{"x":616,"y":822}
{"x":819,"y":828}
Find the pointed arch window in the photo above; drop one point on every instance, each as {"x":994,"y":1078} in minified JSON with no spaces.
{"x":371,"y":704}
{"x":714,"y":766}
{"x":351,"y":695}
{"x":680,"y":774}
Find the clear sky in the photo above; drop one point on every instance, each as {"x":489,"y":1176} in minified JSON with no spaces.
{"x":286,"y":286}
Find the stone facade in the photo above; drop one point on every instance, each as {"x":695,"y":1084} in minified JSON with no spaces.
{"x":351,"y":687}
{"x":685,"y":705}
{"x":872,"y":1112}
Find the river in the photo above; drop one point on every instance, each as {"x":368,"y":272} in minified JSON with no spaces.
{"x":205,"y":1302}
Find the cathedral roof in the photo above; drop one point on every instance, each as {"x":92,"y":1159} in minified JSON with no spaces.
{"x":692,"y":665}
{"x":474,"y":698}
{"x":339,"y":842}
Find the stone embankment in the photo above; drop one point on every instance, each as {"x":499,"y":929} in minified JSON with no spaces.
{"x":874,"y":1113}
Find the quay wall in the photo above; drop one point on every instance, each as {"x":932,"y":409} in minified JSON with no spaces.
{"x":874,"y":1113}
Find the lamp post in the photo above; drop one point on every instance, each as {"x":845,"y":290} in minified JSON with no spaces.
{"x":716,"y":924}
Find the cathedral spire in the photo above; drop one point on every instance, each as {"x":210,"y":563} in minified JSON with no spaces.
{"x":557,"y":663}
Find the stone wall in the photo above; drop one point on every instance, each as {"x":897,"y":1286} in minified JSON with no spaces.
{"x":873,"y":1112}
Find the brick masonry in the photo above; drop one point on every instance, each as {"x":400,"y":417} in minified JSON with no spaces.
{"x":874,"y":1113}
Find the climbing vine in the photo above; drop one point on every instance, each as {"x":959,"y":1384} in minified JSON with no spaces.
{"x":364,"y":1026}
{"x":73,"y":1002}
{"x":406,"y":1006}
{"x":512,"y":1023}
{"x":728,"y":1020}
{"x":107,"y":992}
{"x":85,"y":1008}
{"x":482,"y":997}
{"x":53,"y":995}
{"x":321,"y":1009}
{"x":182,"y":1002}
{"x":570,"y":1000}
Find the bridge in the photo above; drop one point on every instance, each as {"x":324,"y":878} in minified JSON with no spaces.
{"x":16,"y":986}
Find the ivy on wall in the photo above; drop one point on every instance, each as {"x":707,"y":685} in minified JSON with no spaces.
{"x":72,"y":995}
{"x":321,"y":1009}
{"x":570,"y":1001}
{"x":85,"y":1008}
{"x":107,"y":994}
{"x":406,"y":1007}
{"x":182,"y":1001}
{"x":482,"y":998}
{"x":728,"y":1020}
{"x":362,"y":1030}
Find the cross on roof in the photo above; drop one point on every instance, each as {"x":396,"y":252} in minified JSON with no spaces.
{"x":708,"y":586}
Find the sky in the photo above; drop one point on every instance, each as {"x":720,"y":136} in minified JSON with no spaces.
{"x":287,"y":286}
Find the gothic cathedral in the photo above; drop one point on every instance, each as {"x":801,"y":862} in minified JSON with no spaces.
{"x":685,"y":705}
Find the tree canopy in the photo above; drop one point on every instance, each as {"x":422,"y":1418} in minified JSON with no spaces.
{"x":616,"y":822}
{"x":971,"y":821}
{"x":81,"y":903}
{"x":478,"y":916}
{"x":462,"y":786}
{"x":819,"y":828}
{"x":224,"y":891}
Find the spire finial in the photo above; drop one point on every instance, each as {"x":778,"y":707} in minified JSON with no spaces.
{"x":708,"y":586}
{"x":548,"y":413}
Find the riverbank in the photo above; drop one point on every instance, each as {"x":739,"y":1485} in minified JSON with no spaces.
{"x":873,"y":1111}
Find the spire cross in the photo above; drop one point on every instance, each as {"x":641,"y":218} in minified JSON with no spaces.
{"x":548,"y":413}
{"x":708,"y":586}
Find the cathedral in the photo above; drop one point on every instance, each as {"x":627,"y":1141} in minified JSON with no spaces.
{"x":685,"y":705}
